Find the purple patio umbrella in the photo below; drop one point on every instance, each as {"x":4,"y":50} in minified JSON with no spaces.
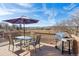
{"x":22,"y":20}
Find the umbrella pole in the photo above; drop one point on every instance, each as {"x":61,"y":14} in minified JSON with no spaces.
{"x":20,"y":26}
{"x":24,"y":34}
{"x":24,"y":30}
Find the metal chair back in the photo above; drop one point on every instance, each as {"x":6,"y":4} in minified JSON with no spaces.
{"x":38,"y":39}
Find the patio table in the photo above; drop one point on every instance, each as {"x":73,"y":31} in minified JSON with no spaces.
{"x":23,"y":38}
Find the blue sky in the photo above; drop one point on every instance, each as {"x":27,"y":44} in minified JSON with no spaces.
{"x":48,"y":14}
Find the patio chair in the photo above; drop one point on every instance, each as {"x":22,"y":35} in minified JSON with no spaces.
{"x":1,"y":34}
{"x":13,"y":42}
{"x":36,"y":41}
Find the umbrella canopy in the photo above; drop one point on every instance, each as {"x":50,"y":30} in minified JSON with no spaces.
{"x":22,"y":20}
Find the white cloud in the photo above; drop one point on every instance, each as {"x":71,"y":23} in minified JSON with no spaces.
{"x":50,"y":13}
{"x":7,"y":11}
{"x":4,"y":12}
{"x":71,"y":6}
{"x":27,"y":5}
{"x":75,"y":12}
{"x":19,"y":10}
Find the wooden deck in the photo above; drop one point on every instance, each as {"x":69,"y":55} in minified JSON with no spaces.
{"x":46,"y":50}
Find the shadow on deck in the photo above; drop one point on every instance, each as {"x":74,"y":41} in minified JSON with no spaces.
{"x":47,"y":51}
{"x":44,"y":50}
